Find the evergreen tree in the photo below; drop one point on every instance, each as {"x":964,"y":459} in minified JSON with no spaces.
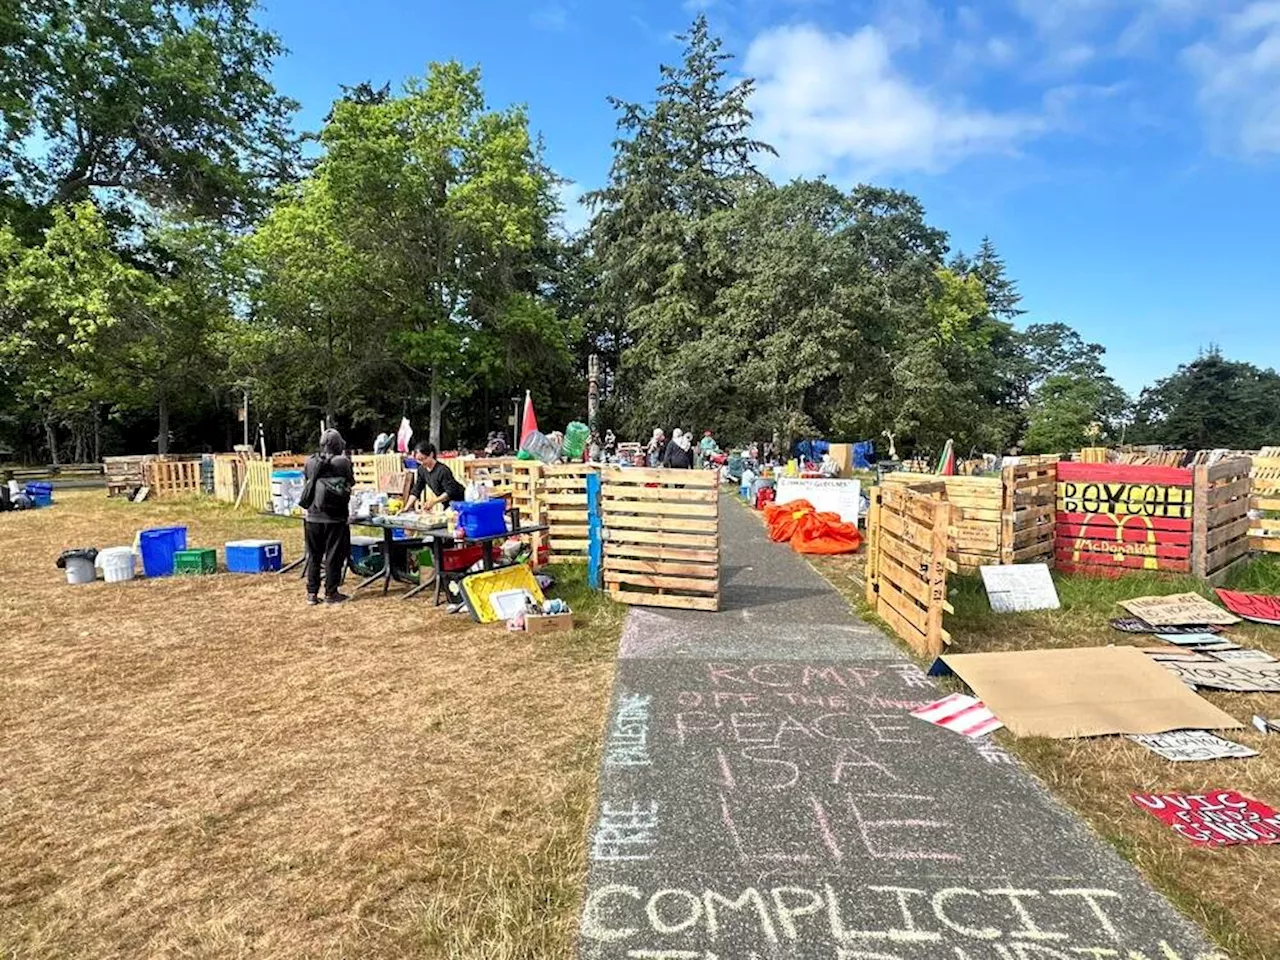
{"x":676,"y":164}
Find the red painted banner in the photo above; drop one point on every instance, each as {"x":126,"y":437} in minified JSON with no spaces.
{"x":1258,"y":607}
{"x":1115,"y":517}
{"x":1216,"y":818}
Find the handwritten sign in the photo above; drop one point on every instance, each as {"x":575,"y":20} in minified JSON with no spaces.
{"x":1216,"y":818}
{"x":1183,"y":745}
{"x":1178,"y":609}
{"x":1113,"y":517}
{"x":1235,"y":677}
{"x":832,"y":496}
{"x":1134,"y":625}
{"x":1244,"y":656}
{"x":1257,"y":607}
{"x":1015,"y":588}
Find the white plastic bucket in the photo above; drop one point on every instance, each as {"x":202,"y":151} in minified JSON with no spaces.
{"x":80,"y":570}
{"x":117,"y":564}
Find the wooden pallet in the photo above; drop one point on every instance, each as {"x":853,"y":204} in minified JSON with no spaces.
{"x":173,"y":478}
{"x":907,"y":563}
{"x":662,"y":537}
{"x":1222,"y":497}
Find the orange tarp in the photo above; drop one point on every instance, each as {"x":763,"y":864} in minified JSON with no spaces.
{"x":809,"y":531}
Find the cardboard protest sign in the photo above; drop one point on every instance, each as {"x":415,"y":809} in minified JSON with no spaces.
{"x":1244,"y":656}
{"x":1193,"y":745}
{"x":1257,"y":607}
{"x":1134,"y":625}
{"x":1085,"y":692}
{"x":1178,"y":608}
{"x":1235,"y":677}
{"x":1177,"y":653}
{"x":1216,"y":818}
{"x":1015,"y":588}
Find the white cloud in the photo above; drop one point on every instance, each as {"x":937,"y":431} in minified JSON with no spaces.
{"x":1238,"y":72}
{"x":836,"y":103}
{"x":551,"y":16}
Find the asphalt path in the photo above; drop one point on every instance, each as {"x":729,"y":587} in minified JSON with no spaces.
{"x":765,"y":794}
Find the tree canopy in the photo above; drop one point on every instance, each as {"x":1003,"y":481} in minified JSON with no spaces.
{"x":164,"y":248}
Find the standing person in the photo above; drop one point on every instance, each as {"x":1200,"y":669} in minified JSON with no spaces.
{"x":657,"y":447}
{"x":679,"y":453}
{"x":327,"y":500}
{"x":435,"y":477}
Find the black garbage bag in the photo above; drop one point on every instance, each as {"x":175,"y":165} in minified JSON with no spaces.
{"x":88,"y":553}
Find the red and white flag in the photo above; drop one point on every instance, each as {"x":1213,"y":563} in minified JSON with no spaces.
{"x":960,"y":714}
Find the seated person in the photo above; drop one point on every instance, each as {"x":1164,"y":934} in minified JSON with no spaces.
{"x":435,"y":477}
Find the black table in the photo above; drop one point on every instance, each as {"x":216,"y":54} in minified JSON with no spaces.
{"x":443,"y":541}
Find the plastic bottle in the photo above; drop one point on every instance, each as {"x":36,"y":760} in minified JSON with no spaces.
{"x":537,"y":444}
{"x":575,"y":440}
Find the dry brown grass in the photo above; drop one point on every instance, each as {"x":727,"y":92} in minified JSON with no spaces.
{"x":1232,"y":892}
{"x":208,"y":768}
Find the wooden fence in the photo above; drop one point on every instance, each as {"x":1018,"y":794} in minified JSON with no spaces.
{"x":661,"y":532}
{"x":907,"y":562}
{"x":562,"y":505}
{"x":1221,"y":518}
{"x":1264,"y":490}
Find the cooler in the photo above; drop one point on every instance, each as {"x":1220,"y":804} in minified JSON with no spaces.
{"x":254,"y":556}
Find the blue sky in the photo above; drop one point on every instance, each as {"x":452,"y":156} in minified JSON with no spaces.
{"x":1123,"y":155}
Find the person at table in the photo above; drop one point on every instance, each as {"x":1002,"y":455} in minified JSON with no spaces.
{"x":435,"y":484}
{"x":327,"y":500}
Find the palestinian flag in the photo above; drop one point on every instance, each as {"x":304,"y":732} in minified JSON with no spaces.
{"x":947,"y":462}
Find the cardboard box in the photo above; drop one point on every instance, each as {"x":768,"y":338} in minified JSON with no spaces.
{"x":548,"y":623}
{"x":842,"y":454}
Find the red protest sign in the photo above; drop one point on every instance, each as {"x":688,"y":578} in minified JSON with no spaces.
{"x":1252,"y":606}
{"x":1213,"y":819}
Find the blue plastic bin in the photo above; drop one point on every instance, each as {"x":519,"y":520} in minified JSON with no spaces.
{"x":158,"y":547}
{"x":482,"y":518}
{"x":41,"y":494}
{"x":254,"y":556}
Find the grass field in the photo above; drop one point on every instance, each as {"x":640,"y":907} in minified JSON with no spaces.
{"x":206,"y":767}
{"x":1232,"y":892}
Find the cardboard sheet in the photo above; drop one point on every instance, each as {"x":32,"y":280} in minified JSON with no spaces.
{"x":1178,"y":608}
{"x":1085,"y":692}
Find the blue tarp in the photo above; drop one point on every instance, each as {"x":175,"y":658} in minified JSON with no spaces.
{"x":864,"y":455}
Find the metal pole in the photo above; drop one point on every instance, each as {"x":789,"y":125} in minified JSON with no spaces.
{"x":246,"y":417}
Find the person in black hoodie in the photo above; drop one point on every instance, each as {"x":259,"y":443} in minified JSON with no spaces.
{"x":679,"y":452}
{"x":326,"y":497}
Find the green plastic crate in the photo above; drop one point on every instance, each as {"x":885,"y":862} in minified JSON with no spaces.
{"x":195,"y":562}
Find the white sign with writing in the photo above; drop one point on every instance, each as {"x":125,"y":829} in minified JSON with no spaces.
{"x":1192,"y":745}
{"x":1236,"y":677}
{"x":1244,"y":656}
{"x":832,"y":496}
{"x":1014,"y":588}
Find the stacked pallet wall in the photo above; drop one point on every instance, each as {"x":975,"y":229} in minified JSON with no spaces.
{"x":228,"y":476}
{"x":1264,"y":491}
{"x":662,"y":537}
{"x":977,"y":505}
{"x":1221,"y":517}
{"x":173,"y":478}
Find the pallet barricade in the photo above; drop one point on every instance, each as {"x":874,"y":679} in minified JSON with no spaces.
{"x":997,"y":519}
{"x":1029,"y":508}
{"x":661,"y":530}
{"x":907,"y":563}
{"x":369,"y":468}
{"x":562,"y":504}
{"x":1221,"y":517}
{"x":1113,"y":518}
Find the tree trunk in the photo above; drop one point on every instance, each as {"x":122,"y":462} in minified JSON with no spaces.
{"x":437,"y":411}
{"x":97,"y":433}
{"x":162,"y":434}
{"x":51,"y":438}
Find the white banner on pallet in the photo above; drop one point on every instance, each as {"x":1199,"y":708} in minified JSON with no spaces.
{"x":833,"y":496}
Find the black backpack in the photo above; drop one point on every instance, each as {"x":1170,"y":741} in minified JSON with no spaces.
{"x":308,"y":497}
